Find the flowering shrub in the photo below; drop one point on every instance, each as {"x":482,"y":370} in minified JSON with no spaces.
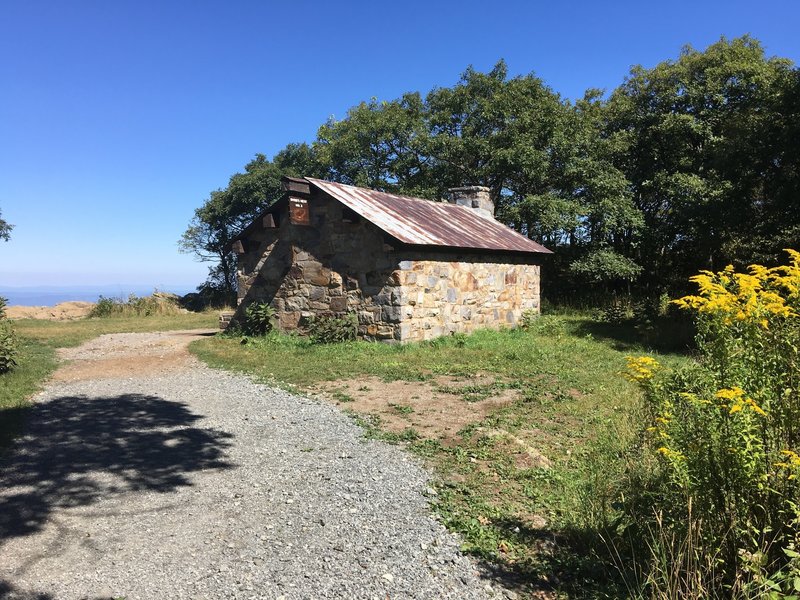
{"x":727,"y":433}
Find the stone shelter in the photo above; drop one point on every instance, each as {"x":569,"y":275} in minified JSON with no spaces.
{"x":410,"y":269}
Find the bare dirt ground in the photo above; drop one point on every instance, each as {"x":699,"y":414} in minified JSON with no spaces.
{"x":66,"y":311}
{"x":423,"y":405}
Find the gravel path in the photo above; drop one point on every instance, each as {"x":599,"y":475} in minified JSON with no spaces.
{"x":188,"y":482}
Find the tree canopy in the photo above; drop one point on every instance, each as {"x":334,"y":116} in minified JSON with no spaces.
{"x":689,"y":164}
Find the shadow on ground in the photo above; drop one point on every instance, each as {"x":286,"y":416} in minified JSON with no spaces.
{"x":9,"y":592}
{"x":572,"y":563}
{"x":78,"y":449}
{"x":667,"y":335}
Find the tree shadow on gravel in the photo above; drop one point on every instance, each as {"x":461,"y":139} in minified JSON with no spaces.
{"x":10,"y":592}
{"x":78,"y":449}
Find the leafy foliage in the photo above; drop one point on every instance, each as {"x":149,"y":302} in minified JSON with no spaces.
{"x":605,"y":265}
{"x":330,"y":329}
{"x":9,"y":347}
{"x":528,"y":319}
{"x":701,"y":141}
{"x":157,"y":304}
{"x":259,"y":318}
{"x":726,"y":439}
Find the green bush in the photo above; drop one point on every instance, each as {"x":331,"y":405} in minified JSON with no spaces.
{"x":605,"y":265}
{"x":3,"y":304}
{"x":142,"y":306}
{"x":330,"y":329}
{"x":615,"y":313}
{"x":720,"y":510}
{"x":528,"y":319}
{"x":105,"y":307}
{"x":259,"y":318}
{"x":9,"y":350}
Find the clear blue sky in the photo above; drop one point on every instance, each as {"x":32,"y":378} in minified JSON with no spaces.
{"x":118,"y":118}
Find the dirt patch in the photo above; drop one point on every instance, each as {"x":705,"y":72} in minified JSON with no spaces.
{"x":66,"y":311}
{"x":434,"y":414}
{"x":525,"y":455}
{"x":129,"y":354}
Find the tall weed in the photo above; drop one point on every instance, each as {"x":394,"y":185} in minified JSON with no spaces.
{"x":9,"y":346}
{"x":259,"y":318}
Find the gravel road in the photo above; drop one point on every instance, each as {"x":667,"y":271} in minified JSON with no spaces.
{"x":181,"y":481}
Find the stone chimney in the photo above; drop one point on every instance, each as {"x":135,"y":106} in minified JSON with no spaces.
{"x":475,"y":197}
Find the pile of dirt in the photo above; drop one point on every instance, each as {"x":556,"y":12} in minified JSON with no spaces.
{"x":65,"y":311}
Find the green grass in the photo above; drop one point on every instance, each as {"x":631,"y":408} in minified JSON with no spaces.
{"x":64,"y":334}
{"x":558,"y":345}
{"x":35,"y":363}
{"x":341,"y":396}
{"x":39,"y":340}
{"x":540,"y":527}
{"x":402,"y":409}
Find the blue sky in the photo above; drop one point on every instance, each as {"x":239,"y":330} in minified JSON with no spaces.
{"x":118,"y":118}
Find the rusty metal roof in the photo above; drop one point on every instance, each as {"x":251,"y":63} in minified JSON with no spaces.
{"x":427,"y":223}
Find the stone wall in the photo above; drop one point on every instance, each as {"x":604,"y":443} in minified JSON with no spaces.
{"x":446,"y":294}
{"x":338,"y":264}
{"x":341,"y":263}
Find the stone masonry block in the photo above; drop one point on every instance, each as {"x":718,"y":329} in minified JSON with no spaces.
{"x":391,"y":314}
{"x":339,"y":304}
{"x":316,"y":293}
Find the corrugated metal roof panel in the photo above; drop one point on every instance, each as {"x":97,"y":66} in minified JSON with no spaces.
{"x":427,"y":223}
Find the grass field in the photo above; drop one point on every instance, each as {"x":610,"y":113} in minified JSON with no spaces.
{"x":63,"y":334}
{"x":526,"y":482}
{"x":39,"y":341}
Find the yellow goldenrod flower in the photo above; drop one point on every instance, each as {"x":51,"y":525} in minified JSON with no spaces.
{"x":735,"y":401}
{"x":641,"y":368}
{"x":756,"y":408}
{"x":792,"y":462}
{"x":753,"y":297}
{"x":792,"y":457}
{"x":733,"y":393}
{"x":669,"y":454}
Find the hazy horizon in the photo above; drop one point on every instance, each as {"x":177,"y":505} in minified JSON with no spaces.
{"x":50,"y":295}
